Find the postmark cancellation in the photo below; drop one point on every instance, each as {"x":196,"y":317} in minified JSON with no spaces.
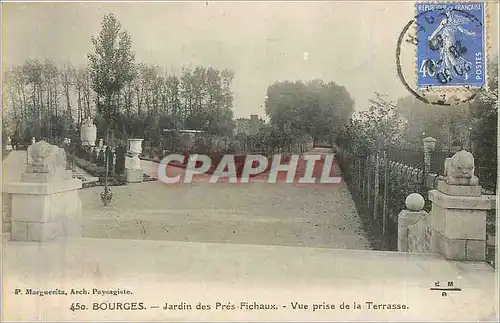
{"x":442,"y":52}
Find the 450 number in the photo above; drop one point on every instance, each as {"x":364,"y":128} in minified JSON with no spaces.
{"x":77,"y":307}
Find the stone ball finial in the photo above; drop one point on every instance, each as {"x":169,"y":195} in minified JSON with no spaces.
{"x":415,"y":202}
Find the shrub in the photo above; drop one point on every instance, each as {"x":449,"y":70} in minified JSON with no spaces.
{"x":120,"y":160}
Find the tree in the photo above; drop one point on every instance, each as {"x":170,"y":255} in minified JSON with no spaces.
{"x":484,"y":110}
{"x":379,"y":127}
{"x":111,"y":68}
{"x":172,"y":84}
{"x":32,"y":70}
{"x":81,"y":85}
{"x":445,"y":123}
{"x":316,"y":108}
{"x":382,"y":125}
{"x":421,"y":117}
{"x":202,"y":99}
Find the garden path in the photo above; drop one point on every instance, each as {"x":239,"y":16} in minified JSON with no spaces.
{"x":254,"y":213}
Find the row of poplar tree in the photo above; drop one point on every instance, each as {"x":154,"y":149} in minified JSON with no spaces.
{"x":125,"y":98}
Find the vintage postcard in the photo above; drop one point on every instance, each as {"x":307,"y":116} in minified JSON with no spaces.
{"x":261,"y":161}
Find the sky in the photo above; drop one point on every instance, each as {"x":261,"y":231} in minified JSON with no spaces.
{"x":350,"y":43}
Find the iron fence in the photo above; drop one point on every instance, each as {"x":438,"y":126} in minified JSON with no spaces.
{"x":406,"y":156}
{"x":379,"y":183}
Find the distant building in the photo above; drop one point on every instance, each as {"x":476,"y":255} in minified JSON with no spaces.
{"x":249,"y":126}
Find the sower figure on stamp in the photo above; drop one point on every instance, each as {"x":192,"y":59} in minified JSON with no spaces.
{"x":444,"y":37}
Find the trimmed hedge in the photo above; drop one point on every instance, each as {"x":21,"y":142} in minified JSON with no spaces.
{"x":120,"y":160}
{"x":99,"y":172}
{"x":89,"y":167}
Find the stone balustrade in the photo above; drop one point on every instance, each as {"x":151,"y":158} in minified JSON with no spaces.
{"x":45,"y":203}
{"x":456,"y":225}
{"x":413,"y":226}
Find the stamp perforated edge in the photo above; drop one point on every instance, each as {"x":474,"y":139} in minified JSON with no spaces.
{"x":487,"y":47}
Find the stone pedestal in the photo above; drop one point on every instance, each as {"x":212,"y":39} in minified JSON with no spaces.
{"x":458,"y":190}
{"x":414,"y":213}
{"x":133,"y":169}
{"x":134,"y":175}
{"x":46,"y":203}
{"x":29,"y":160}
{"x":458,"y":221}
{"x":407,"y":218}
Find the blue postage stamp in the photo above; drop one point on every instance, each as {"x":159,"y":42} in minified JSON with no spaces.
{"x":451,"y":44}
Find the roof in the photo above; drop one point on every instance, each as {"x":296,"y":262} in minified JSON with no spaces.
{"x":183,"y":130}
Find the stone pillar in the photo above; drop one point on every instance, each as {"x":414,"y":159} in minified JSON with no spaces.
{"x":29,"y":160}
{"x":429,"y":145}
{"x":414,"y":212}
{"x":8,"y":145}
{"x":133,"y":171}
{"x":113,"y":162}
{"x":46,"y":203}
{"x":458,"y":216}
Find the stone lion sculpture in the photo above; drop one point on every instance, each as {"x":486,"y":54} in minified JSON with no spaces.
{"x":459,"y":169}
{"x":47,"y":158}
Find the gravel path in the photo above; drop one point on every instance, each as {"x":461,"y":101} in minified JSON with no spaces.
{"x":253,"y":213}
